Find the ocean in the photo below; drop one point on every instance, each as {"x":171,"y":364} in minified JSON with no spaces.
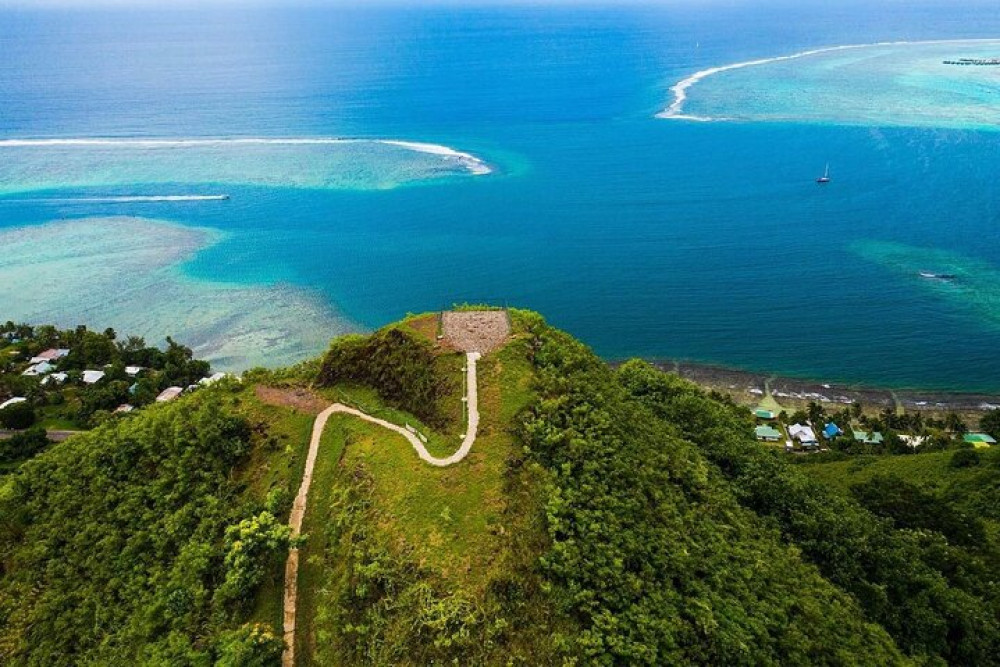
{"x":642,"y":236}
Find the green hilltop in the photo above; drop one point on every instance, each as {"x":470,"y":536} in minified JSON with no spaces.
{"x":602,"y":516}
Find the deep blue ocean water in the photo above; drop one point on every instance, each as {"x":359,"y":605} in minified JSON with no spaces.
{"x":642,"y":237}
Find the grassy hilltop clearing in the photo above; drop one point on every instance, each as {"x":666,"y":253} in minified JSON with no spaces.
{"x":602,"y":516}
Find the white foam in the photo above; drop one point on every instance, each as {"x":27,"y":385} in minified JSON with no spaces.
{"x":128,"y":199}
{"x":676,"y":109}
{"x":470,"y":162}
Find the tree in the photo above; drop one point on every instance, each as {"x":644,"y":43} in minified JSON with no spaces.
{"x":965,"y":458}
{"x":17,"y":416}
{"x":910,"y":506}
{"x":990,"y":423}
{"x":954,"y":423}
{"x":252,"y":645}
{"x":23,"y":445}
{"x":799,"y":417}
{"x":252,"y":545}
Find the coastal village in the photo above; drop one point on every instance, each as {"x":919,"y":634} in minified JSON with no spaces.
{"x":806,"y":417}
{"x":54,"y":383}
{"x":859,"y":433}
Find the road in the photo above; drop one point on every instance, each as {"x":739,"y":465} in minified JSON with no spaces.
{"x":54,"y":436}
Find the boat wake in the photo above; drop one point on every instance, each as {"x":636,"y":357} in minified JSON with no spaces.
{"x":124,"y":199}
{"x":680,"y":90}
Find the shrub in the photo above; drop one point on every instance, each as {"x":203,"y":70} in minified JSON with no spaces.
{"x":400,"y":366}
{"x":965,"y":458}
{"x":24,"y":444}
{"x":17,"y":416}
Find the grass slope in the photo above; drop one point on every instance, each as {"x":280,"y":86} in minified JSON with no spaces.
{"x":443,"y":539}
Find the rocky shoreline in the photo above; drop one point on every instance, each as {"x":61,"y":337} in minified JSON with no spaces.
{"x":752,"y":389}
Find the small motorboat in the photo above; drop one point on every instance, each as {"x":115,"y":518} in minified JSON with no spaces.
{"x":930,"y":275}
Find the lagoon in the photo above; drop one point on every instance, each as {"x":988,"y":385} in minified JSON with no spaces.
{"x":665,"y":239}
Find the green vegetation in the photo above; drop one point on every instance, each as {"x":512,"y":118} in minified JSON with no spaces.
{"x":603,"y":517}
{"x":71,"y":404}
{"x":131,"y":543}
{"x":23,"y":445}
{"x":157,"y":539}
{"x":410,"y":564}
{"x":17,"y":416}
{"x":651,"y":556}
{"x":399,"y":365}
{"x":937,"y":600}
{"x":990,"y":423}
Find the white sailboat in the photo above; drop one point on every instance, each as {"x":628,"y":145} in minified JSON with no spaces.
{"x":825,"y":178}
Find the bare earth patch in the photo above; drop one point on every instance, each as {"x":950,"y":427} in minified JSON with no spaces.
{"x":476,"y":331}
{"x":298,"y":399}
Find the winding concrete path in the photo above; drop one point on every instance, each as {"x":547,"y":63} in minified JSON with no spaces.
{"x":299,"y":507}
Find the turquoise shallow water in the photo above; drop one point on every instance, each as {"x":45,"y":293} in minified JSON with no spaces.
{"x":904,"y":83}
{"x":704,"y":241}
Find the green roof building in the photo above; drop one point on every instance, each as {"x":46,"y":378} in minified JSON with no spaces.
{"x":873,"y":438}
{"x":980,"y":440}
{"x":767,"y":433}
{"x":761,"y":413}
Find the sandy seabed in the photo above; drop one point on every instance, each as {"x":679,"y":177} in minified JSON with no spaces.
{"x":126,"y":273}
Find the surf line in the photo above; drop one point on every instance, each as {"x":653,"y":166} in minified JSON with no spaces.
{"x":680,"y":89}
{"x":469,"y":161}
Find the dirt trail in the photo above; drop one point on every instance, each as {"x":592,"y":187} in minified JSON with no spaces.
{"x":299,"y":507}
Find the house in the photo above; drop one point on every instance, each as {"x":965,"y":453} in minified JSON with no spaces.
{"x":41,"y":368}
{"x":760,"y":413}
{"x":123,"y":408}
{"x":169,"y":394}
{"x":804,"y":435}
{"x":91,"y":377}
{"x":12,"y":401}
{"x":873,"y":438}
{"x":913,"y":441}
{"x":979,"y":440}
{"x":831,"y":431}
{"x":52,"y":354}
{"x":767,"y":433}
{"x":57,"y":378}
{"x":132,"y":371}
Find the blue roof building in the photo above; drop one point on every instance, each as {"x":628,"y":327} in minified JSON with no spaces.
{"x":831,"y":431}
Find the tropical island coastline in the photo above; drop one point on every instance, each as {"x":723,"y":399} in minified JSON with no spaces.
{"x":750,"y":388}
{"x":507,"y":524}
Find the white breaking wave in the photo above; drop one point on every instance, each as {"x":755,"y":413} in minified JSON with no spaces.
{"x":475,"y":165}
{"x":126,"y":199}
{"x":679,"y":90}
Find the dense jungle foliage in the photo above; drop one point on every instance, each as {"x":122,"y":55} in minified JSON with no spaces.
{"x":131,"y":544}
{"x":651,"y":555}
{"x":934,"y":592}
{"x":398,"y":364}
